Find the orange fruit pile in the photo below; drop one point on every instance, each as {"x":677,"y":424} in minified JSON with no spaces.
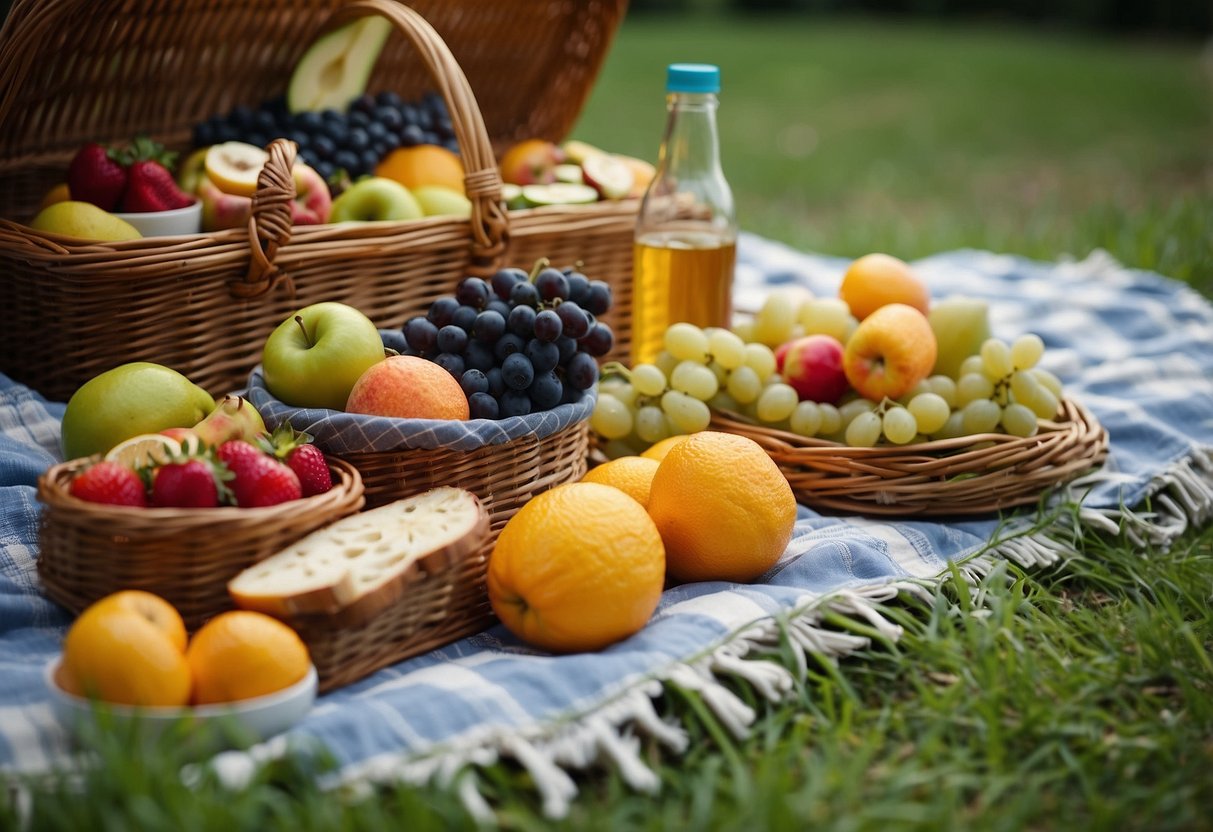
{"x":423,"y":164}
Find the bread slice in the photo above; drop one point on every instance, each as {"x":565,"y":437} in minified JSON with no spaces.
{"x":361,"y":564}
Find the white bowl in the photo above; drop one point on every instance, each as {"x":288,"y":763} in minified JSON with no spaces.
{"x":187,"y":220}
{"x":247,"y":720}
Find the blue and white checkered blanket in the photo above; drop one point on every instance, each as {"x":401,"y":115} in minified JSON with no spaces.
{"x":1136,"y":348}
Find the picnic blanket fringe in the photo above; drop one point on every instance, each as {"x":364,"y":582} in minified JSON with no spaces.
{"x":828,"y":628}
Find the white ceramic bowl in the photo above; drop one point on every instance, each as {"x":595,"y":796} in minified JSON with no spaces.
{"x":244,"y":721}
{"x":187,"y":220}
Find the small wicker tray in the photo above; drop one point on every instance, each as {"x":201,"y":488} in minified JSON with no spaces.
{"x":967,"y":475}
{"x":186,"y":556}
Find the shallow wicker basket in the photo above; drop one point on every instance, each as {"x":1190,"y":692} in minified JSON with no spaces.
{"x":186,"y":556}
{"x":507,"y":70}
{"x":963,"y":476}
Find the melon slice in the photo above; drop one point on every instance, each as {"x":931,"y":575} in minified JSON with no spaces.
{"x":335,"y":69}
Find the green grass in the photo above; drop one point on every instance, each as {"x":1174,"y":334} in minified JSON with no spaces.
{"x":1079,"y":697}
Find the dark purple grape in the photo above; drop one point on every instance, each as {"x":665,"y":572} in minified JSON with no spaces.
{"x":508,"y":344}
{"x":473,"y":291}
{"x":240,"y":116}
{"x":393,"y":339}
{"x":513,"y":403}
{"x":411,"y":135}
{"x":489,"y":326}
{"x":358,"y":118}
{"x":377,"y":132}
{"x":336,"y":130}
{"x":582,"y":371}
{"x":323,"y":146}
{"x":598,"y":300}
{"x":480,"y":356}
{"x":204,"y":134}
{"x":330,"y":116}
{"x":389,"y":98}
{"x":503,"y":281}
{"x":482,"y":406}
{"x":474,"y":381}
{"x":421,"y":334}
{"x":567,"y":347}
{"x":465,"y":317}
{"x":552,"y":284}
{"x":524,"y":293}
{"x":256,"y":139}
{"x":434,"y":102}
{"x":517,"y":371}
{"x":599,"y":340}
{"x":500,"y":307}
{"x":450,"y":362}
{"x":425,"y":119}
{"x":442,"y":310}
{"x":544,"y":355}
{"x":390,"y":118}
{"x":368,"y":159}
{"x":346,"y":160}
{"x":521,"y":321}
{"x":358,"y":139}
{"x":546,"y":391}
{"x":307,"y":121}
{"x":364,"y":103}
{"x":576,"y":324}
{"x":265,"y":122}
{"x":547,"y":326}
{"x":444,"y":129}
{"x":496,"y":382}
{"x":579,"y":286}
{"x":300,"y":138}
{"x":452,"y":338}
{"x":325,"y":168}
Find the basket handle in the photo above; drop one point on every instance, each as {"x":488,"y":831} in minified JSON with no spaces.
{"x":482,"y":178}
{"x":269,"y":224}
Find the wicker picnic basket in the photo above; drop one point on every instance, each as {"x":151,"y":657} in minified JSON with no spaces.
{"x":186,"y":556}
{"x":967,"y":475}
{"x":74,"y":71}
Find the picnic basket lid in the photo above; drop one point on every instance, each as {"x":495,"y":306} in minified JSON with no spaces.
{"x":75,"y":71}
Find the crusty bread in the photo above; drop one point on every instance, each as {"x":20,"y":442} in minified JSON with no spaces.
{"x":363,"y":563}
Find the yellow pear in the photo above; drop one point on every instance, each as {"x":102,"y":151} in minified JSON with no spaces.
{"x":85,"y":221}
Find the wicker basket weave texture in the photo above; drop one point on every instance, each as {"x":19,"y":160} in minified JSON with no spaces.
{"x":187,"y":556}
{"x":204,"y":304}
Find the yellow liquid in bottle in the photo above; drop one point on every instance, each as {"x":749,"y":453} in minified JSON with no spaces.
{"x":679,"y":276}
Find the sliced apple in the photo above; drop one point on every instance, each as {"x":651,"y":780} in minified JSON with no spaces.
{"x":569,"y":173}
{"x":233,"y":167}
{"x":609,"y":175}
{"x":511,"y":195}
{"x":577,"y":151}
{"x":336,"y":67}
{"x":559,"y":193}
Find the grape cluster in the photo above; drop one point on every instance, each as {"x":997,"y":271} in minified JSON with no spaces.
{"x":331,"y":141}
{"x":517,"y":344}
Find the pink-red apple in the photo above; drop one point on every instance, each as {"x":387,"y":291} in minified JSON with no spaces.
{"x":311,"y":206}
{"x":408,"y":387}
{"x":812,"y":365}
{"x":890,"y":351}
{"x":531,"y":162}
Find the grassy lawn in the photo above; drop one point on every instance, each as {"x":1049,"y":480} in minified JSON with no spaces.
{"x":1081,"y":697}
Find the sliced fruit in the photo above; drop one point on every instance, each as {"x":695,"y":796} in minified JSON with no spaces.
{"x":336,"y":67}
{"x":559,"y":193}
{"x":610,"y":176}
{"x":642,"y":174}
{"x":233,"y":167}
{"x":511,"y":194}
{"x":569,"y":173}
{"x":577,"y":151}
{"x":191,"y":170}
{"x":144,"y":449}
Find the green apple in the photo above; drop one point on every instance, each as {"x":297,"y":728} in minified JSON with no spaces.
{"x":336,"y":67}
{"x":316,"y":355}
{"x":375,"y":199}
{"x":127,"y":401}
{"x":84,"y":221}
{"x":436,"y":200}
{"x":961,"y":326}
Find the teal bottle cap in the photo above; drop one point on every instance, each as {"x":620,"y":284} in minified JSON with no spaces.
{"x":693,"y":78}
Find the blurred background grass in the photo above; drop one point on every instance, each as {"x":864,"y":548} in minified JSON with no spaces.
{"x":910,"y":135}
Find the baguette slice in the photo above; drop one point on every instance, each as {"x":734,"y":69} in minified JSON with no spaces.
{"x":364,"y":563}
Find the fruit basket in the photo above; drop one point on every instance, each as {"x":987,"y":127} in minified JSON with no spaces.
{"x":202,"y":303}
{"x":966,"y":475}
{"x":90,"y":550}
{"x":504,"y":463}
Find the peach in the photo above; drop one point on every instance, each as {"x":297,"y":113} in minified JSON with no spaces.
{"x":531,"y":162}
{"x":408,"y":387}
{"x":313,"y":202}
{"x":890,"y":351}
{"x":875,"y":280}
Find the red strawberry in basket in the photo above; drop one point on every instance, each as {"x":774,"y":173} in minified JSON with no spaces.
{"x":188,"y":482}
{"x":97,"y":175}
{"x":306,"y":460}
{"x":110,"y":483}
{"x":150,"y":186}
{"x":259,"y":479}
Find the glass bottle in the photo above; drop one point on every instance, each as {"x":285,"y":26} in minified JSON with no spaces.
{"x":686,"y":233}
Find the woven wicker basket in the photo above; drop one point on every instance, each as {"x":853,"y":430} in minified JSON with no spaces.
{"x":186,"y":556}
{"x":77,"y":71}
{"x":962,"y":476}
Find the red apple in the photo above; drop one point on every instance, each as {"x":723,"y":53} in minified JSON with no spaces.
{"x":812,"y":365}
{"x":890,"y":351}
{"x":311,"y":206}
{"x":408,"y":387}
{"x":313,"y":200}
{"x":531,"y":162}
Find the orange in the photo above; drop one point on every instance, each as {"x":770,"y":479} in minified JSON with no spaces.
{"x":423,"y":164}
{"x":875,"y":280}
{"x":633,"y":475}
{"x":128,"y":648}
{"x":659,"y":449}
{"x":577,"y":568}
{"x":241,"y":654}
{"x":724,"y":509}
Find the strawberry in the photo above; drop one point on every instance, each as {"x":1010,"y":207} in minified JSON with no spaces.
{"x":97,"y":175}
{"x":150,"y":186}
{"x":188,"y":482}
{"x":110,"y":483}
{"x":306,"y":460}
{"x":260,"y":479}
